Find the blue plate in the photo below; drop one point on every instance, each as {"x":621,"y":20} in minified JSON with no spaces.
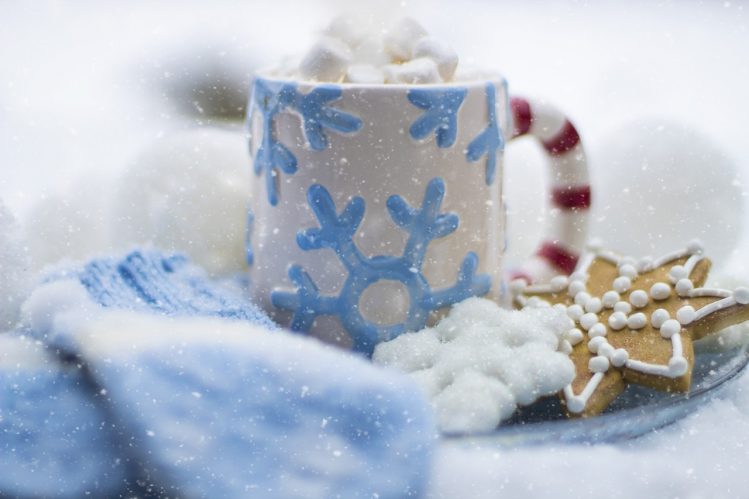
{"x":635,"y":412}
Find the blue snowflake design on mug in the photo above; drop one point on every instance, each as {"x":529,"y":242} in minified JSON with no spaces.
{"x":491,"y":140}
{"x":440,"y":113}
{"x":337,"y":233}
{"x":270,"y":98}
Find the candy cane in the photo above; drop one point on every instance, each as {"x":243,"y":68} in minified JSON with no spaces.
{"x":570,"y":198}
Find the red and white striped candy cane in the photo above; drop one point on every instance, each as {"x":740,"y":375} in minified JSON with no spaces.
{"x":567,"y":225}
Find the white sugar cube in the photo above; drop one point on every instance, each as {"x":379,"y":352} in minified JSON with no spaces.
{"x":445,"y":57}
{"x":364,"y":73}
{"x":401,"y":39}
{"x":327,"y":60}
{"x":421,"y":70}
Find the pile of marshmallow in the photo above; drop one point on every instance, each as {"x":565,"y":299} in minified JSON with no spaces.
{"x":404,"y":53}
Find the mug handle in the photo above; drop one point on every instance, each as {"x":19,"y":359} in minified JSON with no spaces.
{"x":569,"y":199}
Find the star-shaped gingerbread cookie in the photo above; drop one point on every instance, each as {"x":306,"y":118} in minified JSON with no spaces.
{"x":635,"y":322}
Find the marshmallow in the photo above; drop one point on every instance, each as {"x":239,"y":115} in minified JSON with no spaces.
{"x":421,"y":70}
{"x":370,"y":51}
{"x":327,"y":60}
{"x":347,"y":29}
{"x":402,"y":38}
{"x":364,"y":73}
{"x":445,"y":57}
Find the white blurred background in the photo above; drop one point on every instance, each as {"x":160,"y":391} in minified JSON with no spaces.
{"x":657,"y":91}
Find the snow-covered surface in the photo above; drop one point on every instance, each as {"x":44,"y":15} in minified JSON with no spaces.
{"x":81,"y":93}
{"x":482,"y":361}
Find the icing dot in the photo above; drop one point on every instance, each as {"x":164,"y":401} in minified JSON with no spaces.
{"x":588,"y":320}
{"x":560,"y":307}
{"x":617,"y":321}
{"x":622,"y":284}
{"x":659,"y":317}
{"x":606,"y":350}
{"x":683,"y":287}
{"x":623,"y":307}
{"x":574,"y":336}
{"x":582,"y":298}
{"x":565,"y":347}
{"x":595,"y":343}
{"x":677,"y":273}
{"x":645,"y":263}
{"x":517,"y":286}
{"x":660,"y":291}
{"x":598,"y":364}
{"x":741,"y":295}
{"x":637,"y":321}
{"x":685,"y":314}
{"x":576,"y":287}
{"x":628,"y":260}
{"x":619,"y":357}
{"x":575,"y":404}
{"x":595,"y":245}
{"x":678,"y":366}
{"x":597,"y":330}
{"x":610,"y":298}
{"x":695,"y":247}
{"x":559,"y":283}
{"x":670,"y":328}
{"x":534,"y":302}
{"x":594,"y":305}
{"x":628,"y":270}
{"x":574,"y":312}
{"x":639,"y":298}
{"x":579,"y":276}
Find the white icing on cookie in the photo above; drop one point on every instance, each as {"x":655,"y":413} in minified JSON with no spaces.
{"x":586,"y":309}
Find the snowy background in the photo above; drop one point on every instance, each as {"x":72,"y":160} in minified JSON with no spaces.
{"x":86,"y":88}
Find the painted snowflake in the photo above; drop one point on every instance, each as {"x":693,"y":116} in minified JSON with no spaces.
{"x":337,"y":233}
{"x":270,"y":98}
{"x":440,"y":113}
{"x":490,"y":142}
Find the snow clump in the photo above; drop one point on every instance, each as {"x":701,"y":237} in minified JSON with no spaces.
{"x":481,"y":361}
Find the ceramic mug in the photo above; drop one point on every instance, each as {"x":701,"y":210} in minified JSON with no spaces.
{"x":375,"y":206}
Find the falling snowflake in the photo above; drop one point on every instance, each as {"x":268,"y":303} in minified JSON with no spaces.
{"x":337,"y":233}
{"x":270,"y":98}
{"x":490,"y":140}
{"x":440,"y":113}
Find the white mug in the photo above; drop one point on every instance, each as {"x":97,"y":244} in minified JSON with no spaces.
{"x":375,"y":206}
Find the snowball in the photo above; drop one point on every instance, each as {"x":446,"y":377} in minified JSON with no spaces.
{"x":481,"y":361}
{"x":14,"y":271}
{"x":74,"y":224}
{"x":665,"y":182}
{"x":188,"y":193}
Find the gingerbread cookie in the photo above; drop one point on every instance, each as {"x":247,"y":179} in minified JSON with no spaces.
{"x":635,"y":321}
